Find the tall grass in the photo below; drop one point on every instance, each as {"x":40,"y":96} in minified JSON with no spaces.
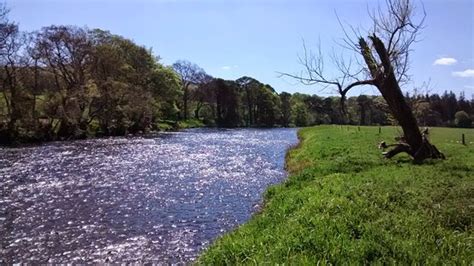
{"x":344,"y":203}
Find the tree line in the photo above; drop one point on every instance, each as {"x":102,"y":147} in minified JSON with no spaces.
{"x":68,"y":82}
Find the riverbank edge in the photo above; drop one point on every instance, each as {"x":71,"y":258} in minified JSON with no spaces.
{"x":286,"y":167}
{"x":404,"y":228}
{"x":162,"y":126}
{"x":261,"y":209}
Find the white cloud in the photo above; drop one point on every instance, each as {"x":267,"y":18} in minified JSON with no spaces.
{"x":468,"y":73}
{"x":226,"y":68}
{"x":471,"y":87}
{"x":445,"y":61}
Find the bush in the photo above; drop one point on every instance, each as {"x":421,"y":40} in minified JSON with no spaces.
{"x":462,"y":119}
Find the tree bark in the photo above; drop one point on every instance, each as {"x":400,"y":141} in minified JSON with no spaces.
{"x":413,"y":142}
{"x":249,"y":106}
{"x":15,"y":112}
{"x":197,"y":110}
{"x":185,"y":101}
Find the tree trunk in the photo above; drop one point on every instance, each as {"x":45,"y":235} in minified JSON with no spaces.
{"x":14,"y":109}
{"x":399,"y":108}
{"x":185,"y":102}
{"x":249,"y":107}
{"x":418,"y":145}
{"x":362,"y":115}
{"x":197,"y":110}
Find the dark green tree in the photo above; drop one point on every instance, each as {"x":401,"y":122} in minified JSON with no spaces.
{"x":227,"y":103}
{"x":462,"y":119}
{"x":191,"y":75}
{"x":286,"y":109}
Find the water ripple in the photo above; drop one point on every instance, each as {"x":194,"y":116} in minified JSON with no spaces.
{"x":161,"y":198}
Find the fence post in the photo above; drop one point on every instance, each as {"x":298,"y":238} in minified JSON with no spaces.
{"x":463,"y":139}
{"x":380,"y":130}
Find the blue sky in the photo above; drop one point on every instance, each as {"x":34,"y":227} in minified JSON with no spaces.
{"x":259,"y":38}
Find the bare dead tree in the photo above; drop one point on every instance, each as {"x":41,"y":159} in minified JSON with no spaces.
{"x":385,"y":53}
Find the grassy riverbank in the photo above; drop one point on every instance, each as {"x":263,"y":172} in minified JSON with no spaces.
{"x":344,"y":203}
{"x":168,"y":125}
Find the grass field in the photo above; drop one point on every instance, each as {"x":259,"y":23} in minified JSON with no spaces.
{"x":344,"y":203}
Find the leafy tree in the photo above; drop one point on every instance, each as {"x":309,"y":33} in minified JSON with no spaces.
{"x":267,"y":106}
{"x":227,"y":103}
{"x":462,"y":119}
{"x":250,"y":87}
{"x":301,"y":115}
{"x":202,"y":95}
{"x":191,"y":74}
{"x":286,"y":108}
{"x":11,"y":43}
{"x":449,"y":106}
{"x":166,"y":91}
{"x":66,"y":53}
{"x":71,"y":82}
{"x":364,"y":105}
{"x":130,"y":85}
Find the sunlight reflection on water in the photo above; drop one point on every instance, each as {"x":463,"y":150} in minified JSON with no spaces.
{"x":162,"y":198}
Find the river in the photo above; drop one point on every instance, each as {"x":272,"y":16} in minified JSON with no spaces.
{"x":161,"y":198}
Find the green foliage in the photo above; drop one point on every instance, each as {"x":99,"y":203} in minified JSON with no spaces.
{"x":301,"y":115}
{"x":227,"y":103}
{"x":166,"y":90}
{"x":344,"y":204}
{"x":286,"y":108}
{"x":462,"y":119}
{"x":169,"y":125}
{"x":84,"y":83}
{"x":267,"y":106}
{"x":190,"y":123}
{"x":70,"y":82}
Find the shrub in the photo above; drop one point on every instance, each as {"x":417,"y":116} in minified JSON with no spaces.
{"x":462,"y":119}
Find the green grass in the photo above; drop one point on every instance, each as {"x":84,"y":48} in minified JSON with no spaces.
{"x":343,"y":203}
{"x":169,"y":125}
{"x":165,"y":125}
{"x":190,"y":123}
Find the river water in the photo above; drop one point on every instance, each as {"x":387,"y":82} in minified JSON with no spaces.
{"x":160,"y":198}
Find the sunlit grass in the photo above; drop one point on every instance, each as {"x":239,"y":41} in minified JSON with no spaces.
{"x":169,"y":125}
{"x":344,"y":203}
